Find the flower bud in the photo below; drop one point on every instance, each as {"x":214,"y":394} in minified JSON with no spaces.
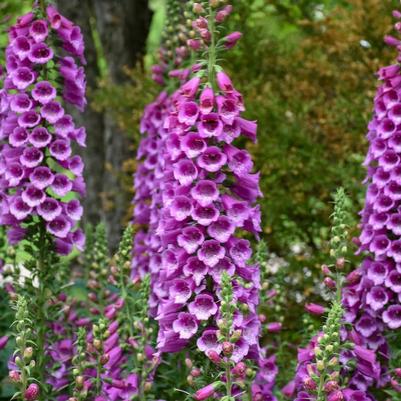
{"x":228,"y":348}
{"x":336,"y":396}
{"x":340,"y":263}
{"x":28,"y":353}
{"x":79,"y":382}
{"x":19,"y":341}
{"x":188,"y":363}
{"x":329,"y":283}
{"x":214,"y":357}
{"x":274,"y":327}
{"x":14,"y":376}
{"x":207,"y":391}
{"x":330,"y":386}
{"x":18,"y":362}
{"x":325,"y":270}
{"x":232,"y":39}
{"x":309,"y":383}
{"x":334,"y":376}
{"x":32,"y":392}
{"x":97,"y":344}
{"x":198,"y":8}
{"x":104,"y":359}
{"x":194,"y":44}
{"x":236,"y":335}
{"x":92,"y":296}
{"x":315,"y":309}
{"x":333,"y":361}
{"x":239,"y":369}
{"x":221,"y":324}
{"x":195,"y":372}
{"x":353,"y":277}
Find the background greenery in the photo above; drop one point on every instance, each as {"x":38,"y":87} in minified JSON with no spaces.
{"x":306,"y":69}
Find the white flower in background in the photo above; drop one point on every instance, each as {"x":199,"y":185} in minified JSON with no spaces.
{"x":275,"y":263}
{"x":23,"y":275}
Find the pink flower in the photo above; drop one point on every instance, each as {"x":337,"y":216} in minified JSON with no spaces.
{"x":207,"y":391}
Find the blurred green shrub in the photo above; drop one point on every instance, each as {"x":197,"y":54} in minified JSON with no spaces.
{"x":307,"y":73}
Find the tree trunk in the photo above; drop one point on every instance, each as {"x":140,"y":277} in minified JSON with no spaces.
{"x":123,"y":27}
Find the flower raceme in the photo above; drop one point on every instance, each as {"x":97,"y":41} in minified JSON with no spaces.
{"x":208,"y":197}
{"x":373,"y":293}
{"x":41,"y":178}
{"x":146,"y":199}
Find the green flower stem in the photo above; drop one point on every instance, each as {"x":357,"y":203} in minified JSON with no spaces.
{"x":98,"y":380}
{"x":41,"y":315}
{"x":24,"y":376}
{"x":228,"y":380}
{"x":212,"y":48}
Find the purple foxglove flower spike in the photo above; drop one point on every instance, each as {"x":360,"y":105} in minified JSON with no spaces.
{"x":35,"y":125}
{"x":372,"y":299}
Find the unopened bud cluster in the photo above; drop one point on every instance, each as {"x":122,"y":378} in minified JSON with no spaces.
{"x":80,"y":364}
{"x":23,"y":375}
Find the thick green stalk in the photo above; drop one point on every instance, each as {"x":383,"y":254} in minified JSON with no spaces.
{"x":24,"y":376}
{"x":42,"y":5}
{"x":228,"y":380}
{"x":98,"y":381}
{"x":320,"y":391}
{"x":212,"y":48}
{"x":126,"y":307}
{"x":41,"y":316}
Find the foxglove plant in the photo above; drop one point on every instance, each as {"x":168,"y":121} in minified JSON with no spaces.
{"x":38,"y":167}
{"x":24,"y":361}
{"x":372,"y":295}
{"x":198,"y":220}
{"x":328,"y":365}
{"x":136,"y":330}
{"x":80,"y":392}
{"x":117,"y":360}
{"x":147,"y":199}
{"x":318,"y":371}
{"x":208,"y":194}
{"x":96,"y":264}
{"x":41,"y":178}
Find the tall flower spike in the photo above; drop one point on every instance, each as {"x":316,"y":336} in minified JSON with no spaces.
{"x":372,"y":296}
{"x":208,"y":194}
{"x":37,"y":164}
{"x":147,"y":179}
{"x":23,"y":361}
{"x":328,"y":366}
{"x":80,"y":393}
